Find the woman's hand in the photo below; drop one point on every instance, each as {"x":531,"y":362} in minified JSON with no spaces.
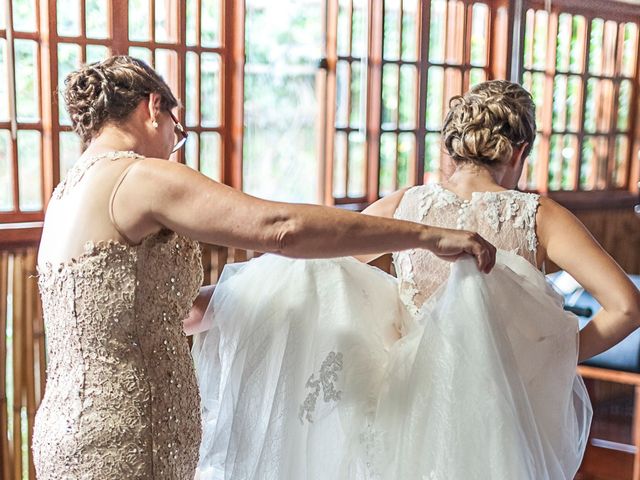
{"x":452,"y":244}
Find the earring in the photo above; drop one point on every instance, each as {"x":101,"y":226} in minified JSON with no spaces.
{"x":154,"y":124}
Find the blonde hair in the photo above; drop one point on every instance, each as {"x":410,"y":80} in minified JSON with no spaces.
{"x":111,"y":90}
{"x":485,"y":124}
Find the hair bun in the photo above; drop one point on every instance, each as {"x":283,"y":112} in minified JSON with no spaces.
{"x":109,"y":91}
{"x":484,"y":125}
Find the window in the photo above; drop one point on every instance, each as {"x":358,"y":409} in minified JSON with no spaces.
{"x":396,"y":68}
{"x":581,"y":67}
{"x":21,"y":115}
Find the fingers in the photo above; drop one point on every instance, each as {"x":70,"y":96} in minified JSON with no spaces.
{"x":484,"y":252}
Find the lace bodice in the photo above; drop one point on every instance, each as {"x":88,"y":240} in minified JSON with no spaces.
{"x":505,"y":218}
{"x":121,"y":399}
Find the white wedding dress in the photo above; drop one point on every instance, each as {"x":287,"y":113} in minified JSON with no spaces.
{"x":303,"y":376}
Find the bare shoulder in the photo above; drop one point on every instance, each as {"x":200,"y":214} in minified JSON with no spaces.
{"x":551,"y":215}
{"x":386,"y":206}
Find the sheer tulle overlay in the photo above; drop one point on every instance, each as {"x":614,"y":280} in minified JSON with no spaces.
{"x":302,"y":375}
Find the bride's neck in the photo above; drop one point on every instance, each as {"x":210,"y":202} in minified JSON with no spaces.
{"x":470,"y":177}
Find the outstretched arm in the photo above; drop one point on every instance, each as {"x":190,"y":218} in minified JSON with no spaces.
{"x":569,"y":244}
{"x":167,"y":194}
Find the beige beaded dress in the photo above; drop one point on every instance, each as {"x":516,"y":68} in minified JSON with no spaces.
{"x":121,"y":398}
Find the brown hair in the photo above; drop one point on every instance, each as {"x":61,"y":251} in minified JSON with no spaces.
{"x":485,"y":124}
{"x":108,"y":91}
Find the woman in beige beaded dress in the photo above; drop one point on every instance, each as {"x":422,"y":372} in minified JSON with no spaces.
{"x":119,"y":267}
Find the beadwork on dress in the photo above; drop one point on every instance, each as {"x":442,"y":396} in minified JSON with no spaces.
{"x":325,"y":382}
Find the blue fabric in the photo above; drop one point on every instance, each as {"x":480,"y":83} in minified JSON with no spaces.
{"x":624,"y":356}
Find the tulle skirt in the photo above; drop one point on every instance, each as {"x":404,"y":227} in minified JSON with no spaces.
{"x":302,"y":376}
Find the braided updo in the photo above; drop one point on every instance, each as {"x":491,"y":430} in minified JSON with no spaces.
{"x":108,"y":91}
{"x":485,"y":124}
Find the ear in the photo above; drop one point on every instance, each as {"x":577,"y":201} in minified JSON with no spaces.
{"x":154,"y":106}
{"x":517,"y":155}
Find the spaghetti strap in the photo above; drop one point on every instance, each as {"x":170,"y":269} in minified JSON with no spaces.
{"x":112,"y":197}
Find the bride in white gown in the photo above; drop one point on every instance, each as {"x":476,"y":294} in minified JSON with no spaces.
{"x":332,"y":369}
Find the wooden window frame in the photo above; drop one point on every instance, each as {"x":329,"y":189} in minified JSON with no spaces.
{"x":610,"y":197}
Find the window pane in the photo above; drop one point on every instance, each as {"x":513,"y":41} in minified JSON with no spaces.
{"x":340,"y":165}
{"x":624,"y":104}
{"x":357,"y":87}
{"x":479,"y":34}
{"x":167,"y":66}
{"x":192,"y":22}
{"x":530,"y":172}
{"x":357,"y":174}
{"x":559,"y":102}
{"x":630,"y":47}
{"x":27,"y":99}
{"x":139,"y":20}
{"x":593,"y":169}
{"x":410,"y":38}
{"x":609,"y":47}
{"x":574,"y":89}
{"x":432,"y":152}
{"x":359,"y":29}
{"x":452,"y":84}
{"x":555,"y":162}
{"x":210,"y":88}
{"x":68,"y":61}
{"x":454,"y":41}
{"x":408,"y":96}
{"x":437,"y":31}
{"x":141,"y":53}
{"x":280,"y":99}
{"x":6,"y":172}
{"x":390,"y":96}
{"x":595,"y":46}
{"x":70,"y":151}
{"x":210,"y":35}
{"x":563,"y":44}
{"x":435,"y":101}
{"x":342,"y":93}
{"x":540,"y":39}
{"x":192,"y":100}
{"x":166,"y":20}
{"x":391,"y":29}
{"x":344,"y":29}
{"x":97,"y":19}
{"x":476,"y":76}
{"x":3,"y":22}
{"x":406,"y":158}
{"x":210,"y":155}
{"x":388,"y":152}
{"x":191,"y":150}
{"x":69,"y":22}
{"x":4,"y":86}
{"x":24,"y":15}
{"x":619,"y":174}
{"x":530,"y":19}
{"x":578,"y":44}
{"x":599,"y":103}
{"x":534,"y":83}
{"x":97,"y":53}
{"x":29,"y":171}
{"x":569,"y":161}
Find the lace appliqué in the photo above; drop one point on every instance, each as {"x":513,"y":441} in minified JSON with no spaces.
{"x":325,"y":381}
{"x":76,"y":172}
{"x":371,"y":441}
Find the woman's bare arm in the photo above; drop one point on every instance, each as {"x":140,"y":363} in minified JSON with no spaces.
{"x":161,"y":193}
{"x":193,"y":323}
{"x":569,"y":245}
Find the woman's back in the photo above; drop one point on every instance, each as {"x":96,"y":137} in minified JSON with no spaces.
{"x":506,"y":218}
{"x":121,"y":395}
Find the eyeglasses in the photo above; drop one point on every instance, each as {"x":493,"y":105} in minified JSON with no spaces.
{"x":179,"y":129}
